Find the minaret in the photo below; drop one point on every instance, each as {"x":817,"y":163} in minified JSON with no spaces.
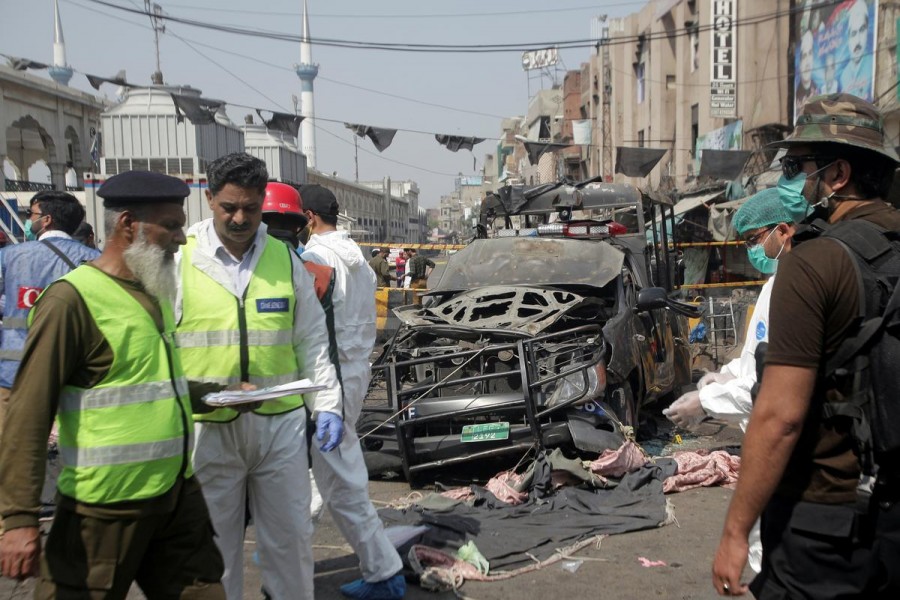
{"x":59,"y":71}
{"x":307,"y":72}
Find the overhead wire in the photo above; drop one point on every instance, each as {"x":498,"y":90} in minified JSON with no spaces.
{"x":275,"y":103}
{"x":461,"y":48}
{"x":367,"y":151}
{"x":290,"y":70}
{"x":506,"y":14}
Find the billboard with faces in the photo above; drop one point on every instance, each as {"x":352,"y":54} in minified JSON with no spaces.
{"x":834,"y":49}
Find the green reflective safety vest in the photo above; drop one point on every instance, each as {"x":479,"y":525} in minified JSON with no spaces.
{"x":224,"y":339}
{"x":130,"y":436}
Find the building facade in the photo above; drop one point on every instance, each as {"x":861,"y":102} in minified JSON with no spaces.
{"x":459,"y":209}
{"x":380,"y":211}
{"x":41,"y":120}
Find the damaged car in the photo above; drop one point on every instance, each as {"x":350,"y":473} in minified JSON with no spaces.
{"x":546,"y":334}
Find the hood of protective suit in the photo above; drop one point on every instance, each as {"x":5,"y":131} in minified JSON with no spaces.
{"x":340,"y":243}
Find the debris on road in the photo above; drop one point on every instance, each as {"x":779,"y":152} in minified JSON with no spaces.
{"x":646,"y":562}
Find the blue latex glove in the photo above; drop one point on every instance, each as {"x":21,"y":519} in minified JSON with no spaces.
{"x":332,"y":426}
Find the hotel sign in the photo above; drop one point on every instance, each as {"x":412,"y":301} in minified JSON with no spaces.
{"x":723,"y":62}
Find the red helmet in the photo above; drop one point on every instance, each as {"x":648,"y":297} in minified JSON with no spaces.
{"x":283,"y":199}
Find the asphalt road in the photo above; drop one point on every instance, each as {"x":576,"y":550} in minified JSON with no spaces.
{"x":613,"y":570}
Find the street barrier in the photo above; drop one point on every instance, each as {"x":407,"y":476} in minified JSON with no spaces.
{"x":729,"y":284}
{"x":414,"y":246}
{"x":386,"y":300}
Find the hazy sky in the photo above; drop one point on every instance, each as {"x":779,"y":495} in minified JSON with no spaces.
{"x":101,"y":41}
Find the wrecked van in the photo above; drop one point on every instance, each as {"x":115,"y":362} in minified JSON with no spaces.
{"x":550,"y":330}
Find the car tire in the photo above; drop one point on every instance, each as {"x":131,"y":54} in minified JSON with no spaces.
{"x":621,"y":401}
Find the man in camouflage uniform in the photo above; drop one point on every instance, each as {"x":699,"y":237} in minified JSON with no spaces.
{"x":800,"y":466}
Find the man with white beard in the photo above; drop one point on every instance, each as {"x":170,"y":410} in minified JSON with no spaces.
{"x":100,"y":357}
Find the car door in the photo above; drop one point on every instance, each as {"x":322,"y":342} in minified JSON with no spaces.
{"x":654,"y":340}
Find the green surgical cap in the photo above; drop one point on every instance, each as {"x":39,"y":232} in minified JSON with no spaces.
{"x":763,"y":209}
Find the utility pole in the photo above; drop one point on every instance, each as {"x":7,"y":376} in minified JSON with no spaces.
{"x":605,"y":130}
{"x":159,"y":26}
{"x":356,"y":157}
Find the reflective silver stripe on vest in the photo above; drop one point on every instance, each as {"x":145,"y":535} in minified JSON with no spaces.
{"x":255,"y":337}
{"x":255,"y":380}
{"x":15,"y":323}
{"x":11,"y":354}
{"x":71,"y":400}
{"x":106,"y":456}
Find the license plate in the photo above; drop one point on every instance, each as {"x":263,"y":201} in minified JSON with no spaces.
{"x":485,"y":432}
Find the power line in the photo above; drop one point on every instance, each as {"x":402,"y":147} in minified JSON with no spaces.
{"x":462,"y":48}
{"x":367,"y":151}
{"x":314,"y":119}
{"x":505,"y":14}
{"x":290,"y":70}
{"x":254,"y":88}
{"x":274,"y":103}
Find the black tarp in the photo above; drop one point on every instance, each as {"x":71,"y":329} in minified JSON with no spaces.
{"x":510,"y":535}
{"x":723,"y":164}
{"x":457,"y":142}
{"x":97,"y":81}
{"x":284,"y":122}
{"x":21,"y":64}
{"x":536,"y":149}
{"x":199,"y":111}
{"x":381,"y":137}
{"x":637,"y":162}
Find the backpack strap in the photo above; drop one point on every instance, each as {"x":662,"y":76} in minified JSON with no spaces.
{"x":863,"y":241}
{"x":60,"y":254}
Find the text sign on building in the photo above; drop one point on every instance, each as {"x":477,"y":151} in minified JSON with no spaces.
{"x":723,"y":63}
{"x":538,"y":59}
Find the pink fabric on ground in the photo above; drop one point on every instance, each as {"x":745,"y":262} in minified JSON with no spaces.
{"x":504,"y":486}
{"x":460,"y":493}
{"x":616,"y":463}
{"x":646,"y":562}
{"x":703,"y":469}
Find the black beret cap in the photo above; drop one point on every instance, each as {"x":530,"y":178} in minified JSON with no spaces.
{"x":319,"y":200}
{"x":142,"y":187}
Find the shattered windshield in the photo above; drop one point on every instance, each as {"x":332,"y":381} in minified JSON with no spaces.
{"x":531,"y":261}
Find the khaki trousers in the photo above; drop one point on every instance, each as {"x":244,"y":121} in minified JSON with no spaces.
{"x":418,"y":284}
{"x":170,"y":555}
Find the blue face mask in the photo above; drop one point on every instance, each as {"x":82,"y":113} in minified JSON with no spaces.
{"x":29,"y":234}
{"x":791,"y":193}
{"x":759,"y":260}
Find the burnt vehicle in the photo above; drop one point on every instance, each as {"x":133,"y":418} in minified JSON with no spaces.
{"x":546,"y":334}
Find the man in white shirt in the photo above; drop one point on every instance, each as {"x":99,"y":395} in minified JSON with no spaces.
{"x":247,"y":312}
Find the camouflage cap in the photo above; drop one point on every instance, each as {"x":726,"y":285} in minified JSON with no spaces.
{"x":840,"y":119}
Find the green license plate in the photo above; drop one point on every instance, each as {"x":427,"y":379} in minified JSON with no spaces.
{"x":485,"y":432}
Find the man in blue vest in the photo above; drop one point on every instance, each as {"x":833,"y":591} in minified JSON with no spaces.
{"x":27,"y":268}
{"x":247,"y":311}
{"x":100,"y":358}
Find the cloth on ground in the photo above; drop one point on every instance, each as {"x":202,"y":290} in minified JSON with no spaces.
{"x":510,"y":487}
{"x":703,"y":469}
{"x":510,"y":535}
{"x":615,"y":463}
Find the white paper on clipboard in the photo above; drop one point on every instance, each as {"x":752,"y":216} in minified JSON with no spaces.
{"x":227,"y":398}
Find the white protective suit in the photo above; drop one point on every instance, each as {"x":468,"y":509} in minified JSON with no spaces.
{"x":732,"y":401}
{"x":341,"y":475}
{"x":264,"y":457}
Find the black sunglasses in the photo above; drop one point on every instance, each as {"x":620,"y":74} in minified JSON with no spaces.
{"x":792,"y":165}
